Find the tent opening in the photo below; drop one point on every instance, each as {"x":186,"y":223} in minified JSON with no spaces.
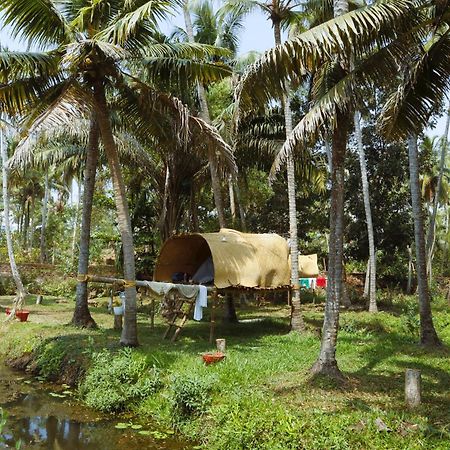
{"x":185,"y":258}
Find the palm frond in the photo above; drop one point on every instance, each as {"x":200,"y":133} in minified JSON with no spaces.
{"x":353,"y":34}
{"x":125,"y":26}
{"x":37,"y":21}
{"x":184,"y":71}
{"x":426,"y":83}
{"x":16,"y":65}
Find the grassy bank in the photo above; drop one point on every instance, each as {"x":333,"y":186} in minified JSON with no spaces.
{"x":261,"y":396}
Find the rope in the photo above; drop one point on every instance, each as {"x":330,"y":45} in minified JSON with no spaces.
{"x":83,"y":278}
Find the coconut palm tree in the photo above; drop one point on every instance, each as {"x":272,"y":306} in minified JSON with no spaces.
{"x":220,"y":39}
{"x":356,"y":36}
{"x":431,"y":237}
{"x":282,"y":13}
{"x":21,"y":292}
{"x":92,"y":42}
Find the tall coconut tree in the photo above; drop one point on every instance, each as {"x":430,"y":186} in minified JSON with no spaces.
{"x":91,"y":44}
{"x":281,"y":13}
{"x":21,"y":292}
{"x":431,"y":236}
{"x":205,"y":115}
{"x":399,"y":24}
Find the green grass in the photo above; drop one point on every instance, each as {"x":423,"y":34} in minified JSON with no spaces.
{"x":261,"y":395}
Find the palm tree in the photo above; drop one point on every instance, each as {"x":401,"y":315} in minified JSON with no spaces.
{"x":282,"y":13}
{"x":21,"y":292}
{"x":428,"y":334}
{"x":91,"y":45}
{"x":204,"y":109}
{"x":398,"y":23}
{"x":431,"y":237}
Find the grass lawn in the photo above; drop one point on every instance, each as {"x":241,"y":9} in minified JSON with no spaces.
{"x":261,"y":395}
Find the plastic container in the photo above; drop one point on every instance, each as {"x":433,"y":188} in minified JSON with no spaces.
{"x":22,"y":315}
{"x":211,"y":358}
{"x":118,"y":310}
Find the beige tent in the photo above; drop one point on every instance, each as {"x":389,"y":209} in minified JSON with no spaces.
{"x":307,"y":266}
{"x":239,"y":259}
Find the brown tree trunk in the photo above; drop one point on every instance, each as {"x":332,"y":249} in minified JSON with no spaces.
{"x":81,"y":316}
{"x":297,"y":323}
{"x":129,"y":335}
{"x":43,"y":243}
{"x":326,"y":364}
{"x":428,"y":335}
{"x":20,"y":289}
{"x":204,"y":114}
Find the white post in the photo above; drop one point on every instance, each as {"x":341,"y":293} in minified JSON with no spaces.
{"x":412,"y":388}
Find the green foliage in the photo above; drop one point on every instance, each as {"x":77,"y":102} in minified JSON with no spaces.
{"x":410,"y":318}
{"x":116,"y":383}
{"x":190,"y":394}
{"x":50,"y":356}
{"x":59,"y":287}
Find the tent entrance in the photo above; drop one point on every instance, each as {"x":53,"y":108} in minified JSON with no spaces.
{"x":185,"y":254}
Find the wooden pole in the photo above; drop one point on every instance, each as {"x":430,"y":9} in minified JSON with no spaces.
{"x":118,"y":321}
{"x":412,"y":388}
{"x":152,"y":313}
{"x":221,"y":345}
{"x":213,"y":319}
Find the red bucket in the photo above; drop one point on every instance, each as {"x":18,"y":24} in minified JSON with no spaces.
{"x":22,"y":315}
{"x":211,"y":358}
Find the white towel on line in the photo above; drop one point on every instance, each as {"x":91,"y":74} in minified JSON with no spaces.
{"x":200,"y":302}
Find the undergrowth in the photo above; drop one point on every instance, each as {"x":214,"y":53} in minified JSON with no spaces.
{"x":261,"y":395}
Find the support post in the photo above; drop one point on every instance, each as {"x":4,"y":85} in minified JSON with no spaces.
{"x":412,"y":388}
{"x":118,"y":321}
{"x":221,"y":345}
{"x":152,"y":313}
{"x":213,"y":318}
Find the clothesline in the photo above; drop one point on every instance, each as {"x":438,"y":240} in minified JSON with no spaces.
{"x":189,"y":291}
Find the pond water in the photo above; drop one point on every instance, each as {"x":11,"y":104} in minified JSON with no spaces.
{"x":43,"y":416}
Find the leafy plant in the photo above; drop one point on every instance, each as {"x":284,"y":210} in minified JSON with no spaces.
{"x":116,"y":383}
{"x":190,"y":394}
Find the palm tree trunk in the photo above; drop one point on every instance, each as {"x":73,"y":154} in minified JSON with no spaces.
{"x":240,"y":206}
{"x":326,"y":364}
{"x":366,"y":195}
{"x":297,"y":323}
{"x":431,"y":238}
{"x":43,"y":249}
{"x":410,"y":270}
{"x":77,"y":218}
{"x":21,"y":292}
{"x":162,"y":222}
{"x":428,"y":335}
{"x":81,"y":315}
{"x":232,"y":200}
{"x":129,"y":332}
{"x":31,"y":229}
{"x":204,"y":114}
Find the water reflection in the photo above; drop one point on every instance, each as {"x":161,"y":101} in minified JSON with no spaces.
{"x":40,"y":421}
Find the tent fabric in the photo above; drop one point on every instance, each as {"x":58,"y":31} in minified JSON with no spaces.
{"x":239,"y":259}
{"x":307,"y":266}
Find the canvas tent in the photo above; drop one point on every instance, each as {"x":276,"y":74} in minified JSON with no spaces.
{"x":307,"y":266}
{"x":238,"y":259}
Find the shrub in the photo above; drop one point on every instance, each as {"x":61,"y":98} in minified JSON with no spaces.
{"x":50,"y":356}
{"x":115,"y":383}
{"x":190,"y":394}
